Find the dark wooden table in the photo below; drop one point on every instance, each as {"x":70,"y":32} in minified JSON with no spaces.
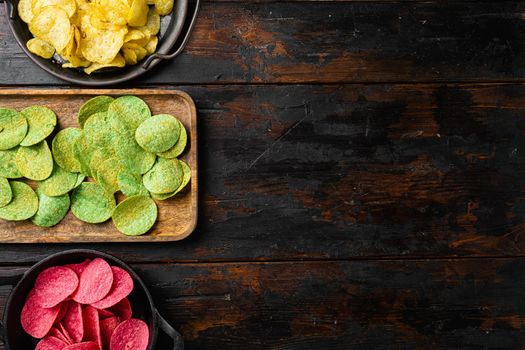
{"x":362,"y":175}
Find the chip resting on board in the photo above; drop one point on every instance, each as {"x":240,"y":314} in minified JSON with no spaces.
{"x":23,"y":205}
{"x":35,"y":162}
{"x":91,"y":203}
{"x":63,"y":151}
{"x":41,"y":121}
{"x":135,"y":215}
{"x":60,"y":182}
{"x":8,"y":167}
{"x":51,"y":210}
{"x":6,"y":194}
{"x":158,"y":133}
{"x":13,"y":128}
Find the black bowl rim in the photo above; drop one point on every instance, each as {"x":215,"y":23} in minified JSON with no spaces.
{"x":81,"y":252}
{"x":135,"y":71}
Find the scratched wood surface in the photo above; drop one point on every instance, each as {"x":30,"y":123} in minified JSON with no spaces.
{"x":327,"y":41}
{"x":417,"y":304}
{"x":361,"y":169}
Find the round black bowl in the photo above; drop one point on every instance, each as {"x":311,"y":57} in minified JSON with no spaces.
{"x":174,"y":30}
{"x":15,"y":338}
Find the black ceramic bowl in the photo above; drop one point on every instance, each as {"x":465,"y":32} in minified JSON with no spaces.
{"x":15,"y":338}
{"x":175,"y":29}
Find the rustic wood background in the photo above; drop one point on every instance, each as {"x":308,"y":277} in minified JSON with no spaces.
{"x":362,"y":177}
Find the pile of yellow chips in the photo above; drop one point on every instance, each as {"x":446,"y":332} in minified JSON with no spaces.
{"x":94,"y":34}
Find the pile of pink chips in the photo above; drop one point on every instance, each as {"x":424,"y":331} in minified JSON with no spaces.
{"x":83,"y":307}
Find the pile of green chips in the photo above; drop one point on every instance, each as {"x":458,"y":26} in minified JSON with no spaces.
{"x":119,"y":146}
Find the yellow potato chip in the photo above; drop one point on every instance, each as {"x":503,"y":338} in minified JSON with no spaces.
{"x":86,"y":28}
{"x":117,"y":62}
{"x":78,"y":37}
{"x":83,"y":5}
{"x":140,"y":42}
{"x":135,"y":34}
{"x":94,"y":34}
{"x":25,"y":10}
{"x":40,"y":48}
{"x":70,"y":47}
{"x":151,"y":46}
{"x":103,"y":47}
{"x":153,"y":23}
{"x":129,"y":56}
{"x":52,"y":25}
{"x":111,"y":11}
{"x":138,"y":13}
{"x":163,"y":7}
{"x":76,"y":62}
{"x":106,"y":18}
{"x":70,"y":6}
{"x":141,"y":53}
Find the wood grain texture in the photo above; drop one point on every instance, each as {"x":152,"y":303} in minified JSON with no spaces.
{"x":417,"y":304}
{"x":331,"y":42}
{"x":350,"y":171}
{"x":177,"y":216}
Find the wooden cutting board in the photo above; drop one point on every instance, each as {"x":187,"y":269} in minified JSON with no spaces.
{"x":177,"y":216}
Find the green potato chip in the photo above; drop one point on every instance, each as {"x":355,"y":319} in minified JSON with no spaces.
{"x":6,"y":194}
{"x":131,"y":110}
{"x":8,"y":167}
{"x":41,"y":121}
{"x":99,"y":132}
{"x":100,"y":155}
{"x":80,"y":179}
{"x":63,"y":149}
{"x":186,"y":177}
{"x":51,"y":210}
{"x":132,"y":156}
{"x":83,"y":153}
{"x":59,"y":183}
{"x":91,"y":203}
{"x":35,"y":162}
{"x":13,"y":128}
{"x":179,"y":147}
{"x":131,"y":184}
{"x":92,"y":106}
{"x":165,"y":176}
{"x":135,"y":216}
{"x":158,"y":133}
{"x":23,"y":205}
{"x":107,"y":175}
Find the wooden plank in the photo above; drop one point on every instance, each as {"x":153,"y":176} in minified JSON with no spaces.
{"x":344,"y":171}
{"x":177,"y":217}
{"x":341,"y":305}
{"x":331,"y":42}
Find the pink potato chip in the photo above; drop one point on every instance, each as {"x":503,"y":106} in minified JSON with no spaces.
{"x":91,"y":325}
{"x":95,"y":282}
{"x":50,"y":343}
{"x":89,"y":345}
{"x":62,"y":312}
{"x":55,"y":332}
{"x":65,"y":333}
{"x":36,"y":320}
{"x":122,"y":309}
{"x":103,"y":314}
{"x":73,"y":322}
{"x":130,"y":334}
{"x":54,"y":285}
{"x":107,"y":326}
{"x":122,"y":286}
{"x":80,"y":267}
